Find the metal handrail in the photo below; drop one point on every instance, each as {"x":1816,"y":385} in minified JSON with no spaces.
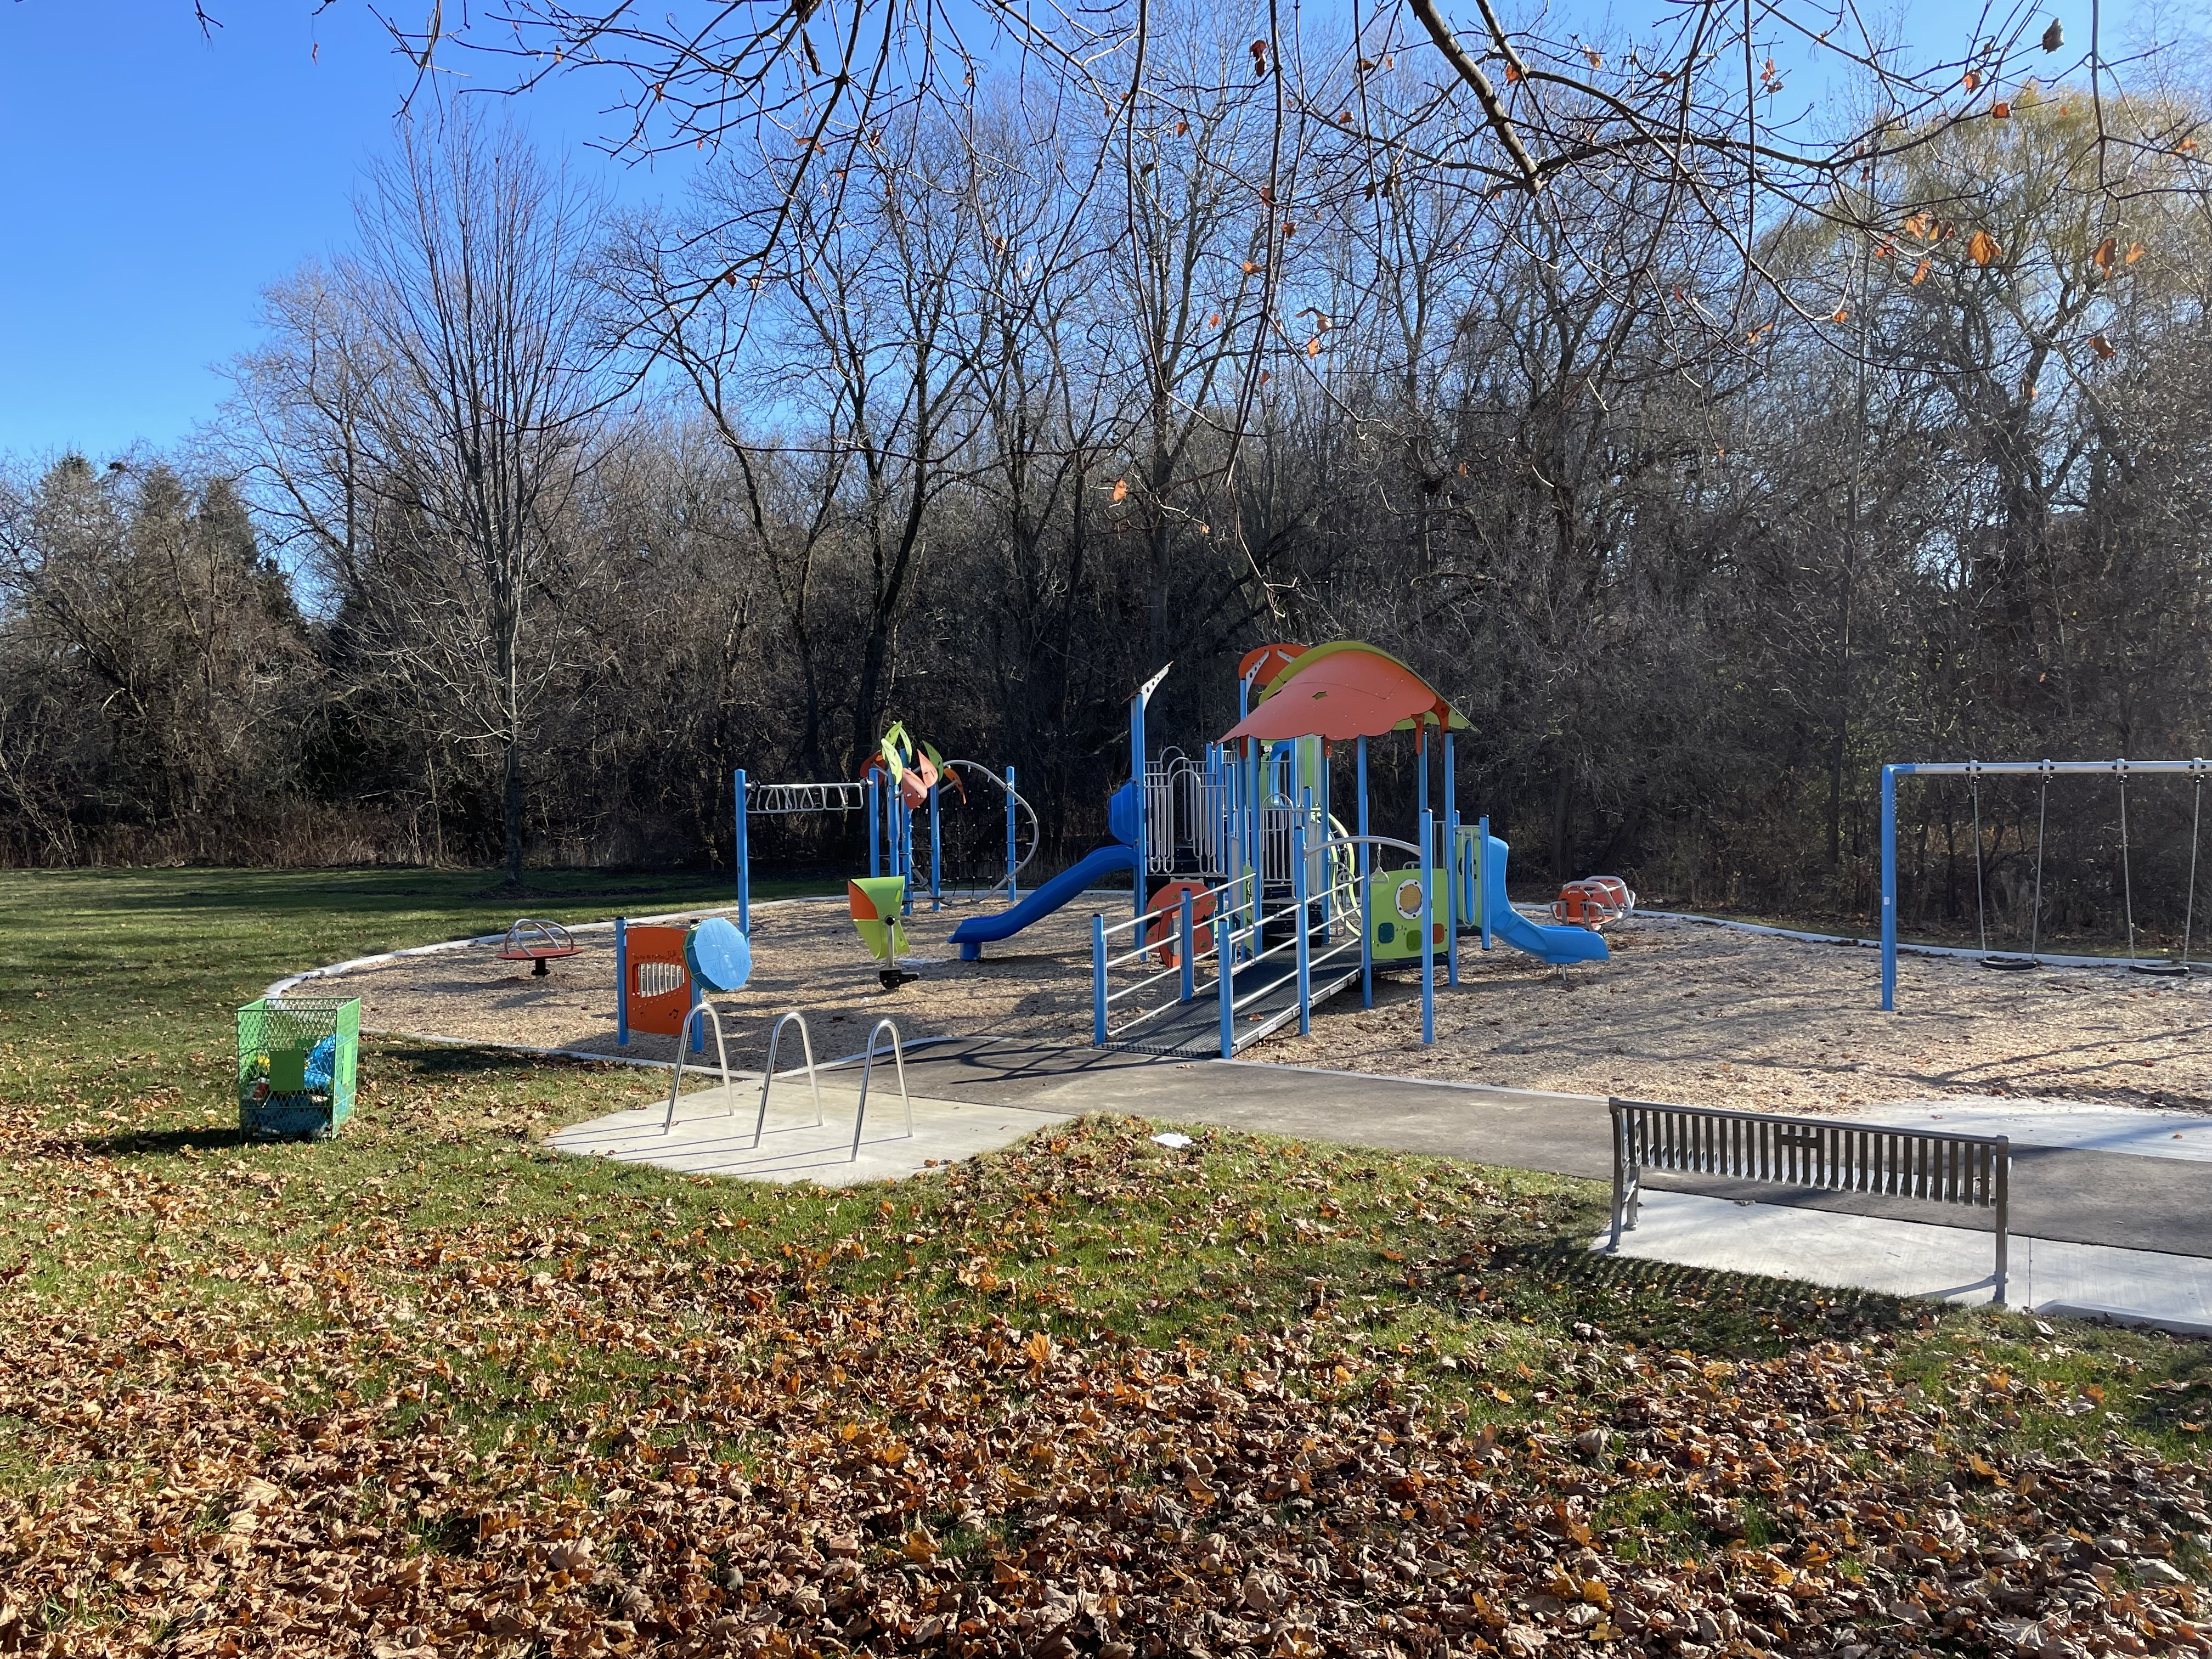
{"x":768,"y":1076}
{"x":1126,"y":991}
{"x":1212,"y":892}
{"x":1235,"y":924}
{"x":721,"y":1050}
{"x":867,"y":1070}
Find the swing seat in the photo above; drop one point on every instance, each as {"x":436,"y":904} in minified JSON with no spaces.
{"x":2160,"y":970}
{"x":2011,"y":964}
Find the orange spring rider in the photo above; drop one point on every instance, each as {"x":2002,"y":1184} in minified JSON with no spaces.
{"x":1594,"y":902}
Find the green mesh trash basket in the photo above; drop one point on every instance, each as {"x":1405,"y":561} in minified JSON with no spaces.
{"x":296,"y":1059}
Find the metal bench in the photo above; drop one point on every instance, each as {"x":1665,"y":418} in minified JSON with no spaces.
{"x":1829,"y":1154}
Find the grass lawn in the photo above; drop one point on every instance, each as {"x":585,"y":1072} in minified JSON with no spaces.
{"x":429,"y":1387}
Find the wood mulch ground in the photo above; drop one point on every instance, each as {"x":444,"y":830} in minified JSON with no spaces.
{"x":1684,"y":1011}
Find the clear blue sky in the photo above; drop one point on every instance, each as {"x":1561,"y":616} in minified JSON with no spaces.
{"x":153,"y":181}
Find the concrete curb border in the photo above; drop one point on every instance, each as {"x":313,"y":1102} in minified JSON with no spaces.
{"x":1951,"y":951}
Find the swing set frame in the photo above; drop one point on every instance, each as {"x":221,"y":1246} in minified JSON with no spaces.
{"x":1975,"y":771}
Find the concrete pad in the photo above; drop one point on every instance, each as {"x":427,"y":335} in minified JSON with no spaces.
{"x":713,"y":1134}
{"x":1907,"y":1259}
{"x":2140,"y":1131}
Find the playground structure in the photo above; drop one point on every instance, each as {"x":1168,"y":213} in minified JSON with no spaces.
{"x":904,"y":779}
{"x":1247,"y":891}
{"x":1267,"y":903}
{"x":1974,"y":771}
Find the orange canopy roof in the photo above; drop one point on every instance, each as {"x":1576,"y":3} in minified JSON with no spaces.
{"x":1266,"y":663}
{"x":1346,"y":689}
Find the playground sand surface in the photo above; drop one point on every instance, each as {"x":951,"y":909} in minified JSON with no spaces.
{"x":1707,"y":1015}
{"x":1716,"y":1016}
{"x":806,"y":956}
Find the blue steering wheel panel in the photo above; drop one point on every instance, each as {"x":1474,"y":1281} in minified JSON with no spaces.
{"x":720,"y":957}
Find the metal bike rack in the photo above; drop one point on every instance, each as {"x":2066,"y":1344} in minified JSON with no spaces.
{"x":721,"y":1050}
{"x":867,"y":1067}
{"x":768,"y":1077}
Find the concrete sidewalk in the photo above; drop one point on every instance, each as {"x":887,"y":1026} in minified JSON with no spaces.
{"x":1943,"y":1264}
{"x":2061,"y":1193}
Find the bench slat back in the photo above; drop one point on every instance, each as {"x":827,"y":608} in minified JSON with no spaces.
{"x":1822,"y":1153}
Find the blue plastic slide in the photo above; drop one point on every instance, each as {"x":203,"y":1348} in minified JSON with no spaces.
{"x":1508,"y":926}
{"x":973,"y":934}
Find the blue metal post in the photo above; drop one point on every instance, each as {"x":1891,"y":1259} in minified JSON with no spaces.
{"x":1189,"y":969}
{"x":1366,"y":943}
{"x":1421,"y":761}
{"x":695,"y":1021}
{"x":1097,"y":981}
{"x":1451,"y":897}
{"x":1366,"y":880}
{"x":1428,"y":925}
{"x":1223,"y":926}
{"x":745,"y":859}
{"x":1451,"y":864}
{"x":1011,"y":861}
{"x":1327,"y":866}
{"x":622,"y":983}
{"x":1481,"y":851}
{"x":1301,"y":922}
{"x":902,"y":830}
{"x":1137,"y":771}
{"x":1889,"y":889}
{"x":1256,"y":817}
{"x":935,"y":853}
{"x":875,"y":847}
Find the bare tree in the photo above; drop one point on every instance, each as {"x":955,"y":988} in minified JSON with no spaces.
{"x":446,"y":380}
{"x":1750,"y":115}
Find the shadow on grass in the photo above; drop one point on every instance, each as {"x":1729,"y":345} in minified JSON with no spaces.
{"x":440,"y":1061}
{"x":158,"y":1142}
{"x":1654,"y":1303}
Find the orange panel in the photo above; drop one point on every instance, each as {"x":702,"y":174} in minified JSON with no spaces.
{"x":1165,"y":927}
{"x":659,"y":988}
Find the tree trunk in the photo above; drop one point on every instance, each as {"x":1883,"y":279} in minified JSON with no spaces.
{"x":511,"y":794}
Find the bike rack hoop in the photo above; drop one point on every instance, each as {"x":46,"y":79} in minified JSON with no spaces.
{"x":721,"y":1053}
{"x":768,"y":1075}
{"x":867,"y":1067}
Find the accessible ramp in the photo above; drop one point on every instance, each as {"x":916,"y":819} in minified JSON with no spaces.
{"x":973,"y":934}
{"x":1557,"y":946}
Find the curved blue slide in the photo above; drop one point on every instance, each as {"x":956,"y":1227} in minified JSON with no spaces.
{"x":973,"y":934}
{"x":1557,"y":946}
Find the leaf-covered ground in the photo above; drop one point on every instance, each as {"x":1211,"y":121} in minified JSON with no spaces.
{"x":431,"y":1388}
